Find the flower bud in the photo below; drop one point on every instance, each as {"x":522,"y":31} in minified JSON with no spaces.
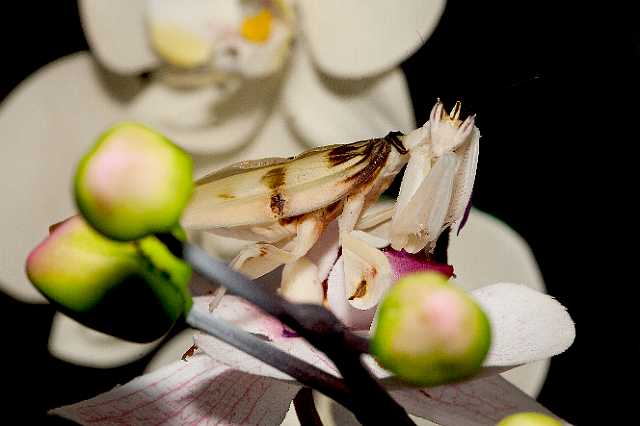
{"x":132,"y":290}
{"x":429,"y":332}
{"x":529,"y":419}
{"x":133,"y":182}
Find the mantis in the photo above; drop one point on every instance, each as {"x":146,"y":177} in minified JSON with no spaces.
{"x":304,"y":211}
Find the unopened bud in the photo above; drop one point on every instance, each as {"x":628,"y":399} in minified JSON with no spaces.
{"x":529,"y":419}
{"x":133,"y":182}
{"x":429,"y":332}
{"x":132,"y":290}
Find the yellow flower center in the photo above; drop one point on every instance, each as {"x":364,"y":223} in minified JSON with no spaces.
{"x":257,"y":28}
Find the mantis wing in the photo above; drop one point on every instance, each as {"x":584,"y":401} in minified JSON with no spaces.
{"x":265,"y":191}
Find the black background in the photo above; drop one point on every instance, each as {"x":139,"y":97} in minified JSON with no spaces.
{"x":544,"y":83}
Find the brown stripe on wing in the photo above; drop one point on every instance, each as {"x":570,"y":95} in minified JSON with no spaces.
{"x":376,"y":154}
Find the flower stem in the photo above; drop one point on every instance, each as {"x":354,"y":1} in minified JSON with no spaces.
{"x":306,"y":408}
{"x":300,"y":370}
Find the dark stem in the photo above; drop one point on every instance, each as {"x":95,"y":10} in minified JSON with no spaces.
{"x":442,"y":246}
{"x":300,"y":370}
{"x":371,"y":403}
{"x":306,"y":408}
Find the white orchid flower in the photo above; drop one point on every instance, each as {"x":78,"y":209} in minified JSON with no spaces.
{"x":229,"y":80}
{"x":222,"y":385}
{"x":220,"y":67}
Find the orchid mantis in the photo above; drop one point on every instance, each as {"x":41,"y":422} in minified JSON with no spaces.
{"x":285,"y":206}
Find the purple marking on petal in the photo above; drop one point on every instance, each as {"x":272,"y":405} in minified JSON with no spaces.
{"x":287,"y":332}
{"x":465,"y":216}
{"x":403,"y":263}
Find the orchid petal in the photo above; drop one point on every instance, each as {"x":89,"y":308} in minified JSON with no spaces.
{"x":484,"y":401}
{"x":351,"y":41}
{"x":420,"y":223}
{"x":206,"y":120}
{"x":117,"y":35}
{"x":188,"y":392}
{"x":271,"y":139}
{"x":72,"y":342}
{"x":172,"y":350}
{"x":526,"y":325}
{"x":39,"y":122}
{"x":249,"y":318}
{"x":326,"y":111}
{"x":489,"y":251}
{"x":367,"y":273}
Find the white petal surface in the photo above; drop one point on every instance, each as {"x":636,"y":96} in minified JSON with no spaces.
{"x":351,"y":40}
{"x":200,"y":390}
{"x":171,"y":351}
{"x":117,"y":33}
{"x":246,"y":316}
{"x":206,"y":120}
{"x":42,"y":140}
{"x":526,"y":325}
{"x":324,"y":110}
{"x":72,"y":342}
{"x":479,"y":402}
{"x":488,"y":251}
{"x":272,"y":139}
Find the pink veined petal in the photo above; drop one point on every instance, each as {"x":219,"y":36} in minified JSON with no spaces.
{"x":199,"y":391}
{"x":479,"y":402}
{"x":246,"y":316}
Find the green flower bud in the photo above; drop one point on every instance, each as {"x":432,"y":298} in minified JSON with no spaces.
{"x":428,"y":332}
{"x":529,"y":419}
{"x":133,"y":182}
{"x":132,"y":290}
